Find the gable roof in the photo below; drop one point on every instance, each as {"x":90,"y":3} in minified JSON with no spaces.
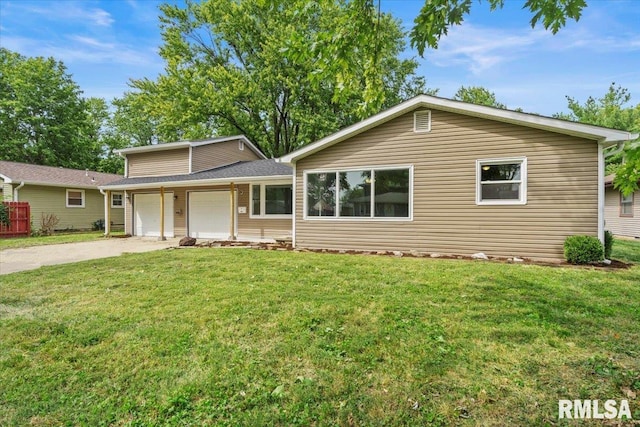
{"x":187,"y":143}
{"x":244,"y":171}
{"x":13,"y":172}
{"x":596,"y":133}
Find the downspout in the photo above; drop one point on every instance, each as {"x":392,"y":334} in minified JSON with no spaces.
{"x":600,"y":193}
{"x":619,"y":148}
{"x":15,"y":191}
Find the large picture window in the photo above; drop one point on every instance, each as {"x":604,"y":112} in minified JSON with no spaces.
{"x":501,"y":181}
{"x":271,"y":200}
{"x":75,"y":198}
{"x":360,"y":193}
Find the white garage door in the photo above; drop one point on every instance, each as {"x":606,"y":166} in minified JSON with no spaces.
{"x":146,"y":208}
{"x":209,"y":216}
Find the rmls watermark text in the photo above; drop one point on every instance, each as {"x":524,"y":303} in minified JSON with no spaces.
{"x":594,"y":409}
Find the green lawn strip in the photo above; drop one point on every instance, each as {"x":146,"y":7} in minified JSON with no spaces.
{"x":246,"y":337}
{"x":25,"y":242}
{"x":626,"y":250}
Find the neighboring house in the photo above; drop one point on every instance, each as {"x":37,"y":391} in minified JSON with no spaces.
{"x":621,"y":213}
{"x":222,"y":188}
{"x":441,"y":176}
{"x":71,"y":195}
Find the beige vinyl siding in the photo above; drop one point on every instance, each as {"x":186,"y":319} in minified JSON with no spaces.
{"x":561,"y":195}
{"x":628,"y":226}
{"x":259,"y":228}
{"x":248,"y":228}
{"x":7,"y":191}
{"x":222,"y":153}
{"x":158,"y":163}
{"x":52,"y":200}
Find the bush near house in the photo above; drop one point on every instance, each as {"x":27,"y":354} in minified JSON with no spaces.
{"x":583,"y":249}
{"x":609,"y":240}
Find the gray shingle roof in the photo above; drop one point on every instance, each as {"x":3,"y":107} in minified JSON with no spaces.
{"x":49,"y":175}
{"x":256,"y":168}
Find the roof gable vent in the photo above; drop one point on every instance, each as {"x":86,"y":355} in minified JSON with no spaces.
{"x":422,"y":121}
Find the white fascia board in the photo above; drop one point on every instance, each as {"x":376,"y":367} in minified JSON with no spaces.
{"x":6,"y":179}
{"x":62,"y":185}
{"x":199,"y":183}
{"x":581,"y":130}
{"x":242,"y":138}
{"x":154,"y":147}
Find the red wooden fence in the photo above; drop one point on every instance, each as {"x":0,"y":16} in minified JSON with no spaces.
{"x":20,"y":218}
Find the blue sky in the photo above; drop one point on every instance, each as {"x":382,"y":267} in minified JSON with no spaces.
{"x":106,"y":43}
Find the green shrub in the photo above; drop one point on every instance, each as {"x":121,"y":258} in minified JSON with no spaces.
{"x":97,"y":225}
{"x":608,"y":244}
{"x":4,"y":214}
{"x":583,"y":249}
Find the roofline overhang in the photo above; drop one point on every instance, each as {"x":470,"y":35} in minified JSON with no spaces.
{"x":197,"y":183}
{"x":187,"y":144}
{"x":5,"y":179}
{"x":604,"y":136}
{"x":60,"y":185}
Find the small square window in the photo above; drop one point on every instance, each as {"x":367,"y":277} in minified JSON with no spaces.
{"x":501,"y":181}
{"x":75,"y":198}
{"x":117,"y":200}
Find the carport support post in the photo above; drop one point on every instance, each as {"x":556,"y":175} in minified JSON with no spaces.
{"x":162,"y":214}
{"x":107,"y":214}
{"x":232,"y":222}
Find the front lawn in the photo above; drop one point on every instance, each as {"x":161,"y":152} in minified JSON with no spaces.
{"x":25,"y":242}
{"x":626,"y":250}
{"x":246,"y":337}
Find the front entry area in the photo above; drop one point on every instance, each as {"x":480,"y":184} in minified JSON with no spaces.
{"x":146,"y":208}
{"x":209,"y":215}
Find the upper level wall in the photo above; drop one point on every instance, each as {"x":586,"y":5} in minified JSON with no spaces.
{"x":210,"y":156}
{"x":158,"y":163}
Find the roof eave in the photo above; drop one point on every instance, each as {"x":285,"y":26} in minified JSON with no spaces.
{"x":196,"y":183}
{"x":595,"y":133}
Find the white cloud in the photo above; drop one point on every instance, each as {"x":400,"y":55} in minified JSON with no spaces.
{"x":69,"y":11}
{"x":480,"y":49}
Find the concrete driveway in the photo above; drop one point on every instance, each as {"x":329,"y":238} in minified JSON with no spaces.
{"x":13,"y":260}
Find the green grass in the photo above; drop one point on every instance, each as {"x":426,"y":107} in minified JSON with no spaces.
{"x":25,"y":242}
{"x":626,"y":250}
{"x":246,"y":337}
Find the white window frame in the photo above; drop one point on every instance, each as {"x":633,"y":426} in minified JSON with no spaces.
{"x":498,"y":161}
{"x":82,"y":198}
{"x":628,"y":203}
{"x":415,"y":121}
{"x":371,"y":218}
{"x":263,"y":201}
{"x":121,"y":200}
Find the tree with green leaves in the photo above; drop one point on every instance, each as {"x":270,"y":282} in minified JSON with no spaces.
{"x":437,"y":16}
{"x":478,"y":95}
{"x":43,"y":117}
{"x":613,"y":111}
{"x":284,"y":73}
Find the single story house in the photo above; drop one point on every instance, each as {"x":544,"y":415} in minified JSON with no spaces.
{"x":221,"y":188}
{"x":441,"y":176}
{"x":71,"y":195}
{"x":621,"y":213}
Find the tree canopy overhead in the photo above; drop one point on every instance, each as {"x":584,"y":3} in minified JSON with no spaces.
{"x":437,"y":16}
{"x":282,"y":72}
{"x":43,"y":118}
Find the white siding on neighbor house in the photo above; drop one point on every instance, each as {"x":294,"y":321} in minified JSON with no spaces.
{"x":620,"y":225}
{"x":561,"y":196}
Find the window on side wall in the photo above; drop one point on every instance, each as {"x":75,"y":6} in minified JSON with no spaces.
{"x":75,"y":198}
{"x":272,"y":200}
{"x":117,"y":200}
{"x":626,"y":205}
{"x":371,"y":193}
{"x":501,"y":181}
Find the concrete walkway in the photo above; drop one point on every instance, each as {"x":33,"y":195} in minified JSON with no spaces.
{"x":13,"y":260}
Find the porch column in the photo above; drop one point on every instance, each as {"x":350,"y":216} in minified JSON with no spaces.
{"x":162,"y":214}
{"x":107,"y":214}
{"x":232,"y":222}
